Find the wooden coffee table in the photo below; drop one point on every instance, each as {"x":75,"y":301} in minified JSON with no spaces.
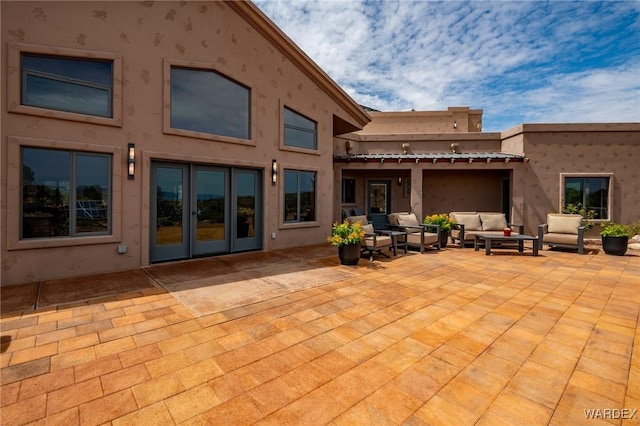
{"x":489,"y":239}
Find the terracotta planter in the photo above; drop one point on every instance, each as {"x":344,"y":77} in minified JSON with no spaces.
{"x":616,"y":246}
{"x":349,"y":255}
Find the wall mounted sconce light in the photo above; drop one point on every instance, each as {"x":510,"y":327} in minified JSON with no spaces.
{"x":435,"y":160}
{"x":526,"y":159}
{"x":399,"y":160}
{"x":131,"y":160}
{"x":399,"y":180}
{"x":454,"y":147}
{"x":405,"y":147}
{"x":506,"y":160}
{"x":348,"y":146}
{"x":381,"y":160}
{"x":274,"y":172}
{"x":470,"y":160}
{"x":488,"y":160}
{"x":455,"y":124}
{"x":453,"y":160}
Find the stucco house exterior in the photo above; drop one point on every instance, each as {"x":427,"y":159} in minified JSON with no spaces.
{"x":229,"y":125}
{"x":439,"y":162}
{"x":142,"y":132}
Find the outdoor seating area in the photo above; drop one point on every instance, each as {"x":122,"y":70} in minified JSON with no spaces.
{"x":292,"y":337}
{"x":374,"y":241}
{"x":562,"y":230}
{"x":419,"y":235}
{"x":468,"y":224}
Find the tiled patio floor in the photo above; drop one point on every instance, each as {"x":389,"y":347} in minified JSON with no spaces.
{"x":451,"y":337}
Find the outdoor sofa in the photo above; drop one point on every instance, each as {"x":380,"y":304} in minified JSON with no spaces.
{"x":468,"y":224}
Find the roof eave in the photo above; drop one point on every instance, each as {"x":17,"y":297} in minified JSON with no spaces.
{"x":258,"y":20}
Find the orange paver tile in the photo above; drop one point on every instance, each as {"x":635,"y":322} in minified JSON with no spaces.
{"x":125,"y":378}
{"x":27,"y":410}
{"x":105,"y":409}
{"x":156,"y":414}
{"x":45,"y":383}
{"x":73,"y":395}
{"x":157,"y":389}
{"x":37,"y":352}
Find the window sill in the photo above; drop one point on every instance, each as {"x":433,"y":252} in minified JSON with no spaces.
{"x":40,"y":243}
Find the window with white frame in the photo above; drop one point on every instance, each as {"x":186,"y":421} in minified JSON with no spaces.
{"x":65,"y":193}
{"x":299,"y":196}
{"x":591,"y":191}
{"x":69,"y":84}
{"x":299,"y":131}
{"x":205,"y":101}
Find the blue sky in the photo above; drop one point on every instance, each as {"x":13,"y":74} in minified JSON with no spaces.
{"x":519,"y":61}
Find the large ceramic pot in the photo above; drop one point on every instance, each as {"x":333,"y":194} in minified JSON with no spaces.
{"x":349,"y":255}
{"x":616,"y":246}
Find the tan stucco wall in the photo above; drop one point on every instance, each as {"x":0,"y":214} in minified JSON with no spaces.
{"x":145,"y":35}
{"x":582,"y":149}
{"x":454,"y":120}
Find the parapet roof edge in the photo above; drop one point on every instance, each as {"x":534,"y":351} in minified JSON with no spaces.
{"x":268,"y":29}
{"x":570,"y":127}
{"x":394,"y":137}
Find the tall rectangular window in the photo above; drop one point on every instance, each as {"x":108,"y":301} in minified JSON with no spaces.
{"x":299,"y":131}
{"x":65,"y":193}
{"x":83,"y":86}
{"x":590,"y":191}
{"x":208,"y":102}
{"x":299,"y":196}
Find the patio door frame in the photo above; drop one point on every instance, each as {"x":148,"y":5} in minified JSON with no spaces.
{"x":374,"y":215}
{"x":234,"y":239}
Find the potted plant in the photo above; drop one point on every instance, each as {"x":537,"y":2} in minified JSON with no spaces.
{"x":587,"y":215}
{"x":615,"y":238}
{"x":347,"y":237}
{"x":446,"y":225}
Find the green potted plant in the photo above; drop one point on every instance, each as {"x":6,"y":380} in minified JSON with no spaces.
{"x":446,"y":225}
{"x":587,"y":215}
{"x":348,"y":238}
{"x":615,"y":238}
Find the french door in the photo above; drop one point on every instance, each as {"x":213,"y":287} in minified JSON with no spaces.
{"x":379,"y":203}
{"x":198,"y":210}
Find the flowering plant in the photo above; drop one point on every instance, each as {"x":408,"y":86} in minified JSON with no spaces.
{"x":345,"y":233}
{"x":444,"y":220}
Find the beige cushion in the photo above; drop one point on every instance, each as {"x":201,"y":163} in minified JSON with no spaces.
{"x":413,"y":238}
{"x":381,"y":241}
{"x":471,"y":222}
{"x":408,"y":220}
{"x":393,"y":217}
{"x":569,"y":239}
{"x":368,"y":229}
{"x":563,"y":223}
{"x":493,"y":221}
{"x":362,"y":219}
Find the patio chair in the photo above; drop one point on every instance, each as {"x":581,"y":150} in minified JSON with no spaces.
{"x":374,"y":241}
{"x":419,"y":235}
{"x":562,"y":230}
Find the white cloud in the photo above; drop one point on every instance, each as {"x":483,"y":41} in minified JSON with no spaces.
{"x":519,"y":61}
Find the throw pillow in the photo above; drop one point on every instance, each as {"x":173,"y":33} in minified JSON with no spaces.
{"x":471,"y":222}
{"x":408,"y":220}
{"x":493,"y":221}
{"x":564,"y":223}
